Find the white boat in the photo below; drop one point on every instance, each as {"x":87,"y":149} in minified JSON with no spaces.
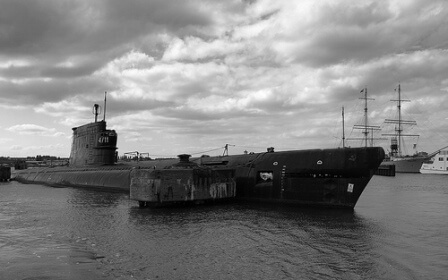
{"x":438,"y":164}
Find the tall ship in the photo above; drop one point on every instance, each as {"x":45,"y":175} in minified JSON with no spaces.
{"x":367,"y":129}
{"x":318,"y":177}
{"x":403,"y":163}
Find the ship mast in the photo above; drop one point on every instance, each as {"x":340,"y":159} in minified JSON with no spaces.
{"x":343,"y":128}
{"x":366,"y":119}
{"x":366,"y":127}
{"x":399,"y":119}
{"x":396,"y":148}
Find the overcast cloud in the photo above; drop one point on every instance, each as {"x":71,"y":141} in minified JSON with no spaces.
{"x":191,"y":76}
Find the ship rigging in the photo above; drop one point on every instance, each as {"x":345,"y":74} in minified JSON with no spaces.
{"x":397,"y":142}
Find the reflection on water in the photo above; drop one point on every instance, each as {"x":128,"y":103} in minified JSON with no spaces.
{"x":397,"y":231}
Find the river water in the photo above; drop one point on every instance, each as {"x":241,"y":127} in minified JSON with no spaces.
{"x":398,"y":230}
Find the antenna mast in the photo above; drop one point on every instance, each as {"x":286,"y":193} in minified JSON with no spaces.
{"x":104,"y":117}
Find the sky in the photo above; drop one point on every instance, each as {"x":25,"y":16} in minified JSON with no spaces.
{"x":191,"y":76}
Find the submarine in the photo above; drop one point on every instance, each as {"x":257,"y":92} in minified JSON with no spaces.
{"x":334,"y":177}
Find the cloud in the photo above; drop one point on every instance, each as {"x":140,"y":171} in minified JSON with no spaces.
{"x":32,"y":129}
{"x":16,"y":148}
{"x":328,"y":33}
{"x":66,"y":27}
{"x":37,"y":149}
{"x":194,"y":48}
{"x":219,"y":70}
{"x":51,"y":49}
{"x":5,"y":140}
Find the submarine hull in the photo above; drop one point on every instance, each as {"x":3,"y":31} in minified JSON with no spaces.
{"x":326,"y":177}
{"x":106,"y":178}
{"x":322,"y":177}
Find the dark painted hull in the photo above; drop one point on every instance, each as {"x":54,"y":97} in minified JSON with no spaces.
{"x":114,"y":178}
{"x":327,"y":177}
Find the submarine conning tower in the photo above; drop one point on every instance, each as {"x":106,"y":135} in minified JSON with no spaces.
{"x":93,"y":144}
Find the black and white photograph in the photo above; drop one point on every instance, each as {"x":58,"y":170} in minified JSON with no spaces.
{"x":239,"y":139}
